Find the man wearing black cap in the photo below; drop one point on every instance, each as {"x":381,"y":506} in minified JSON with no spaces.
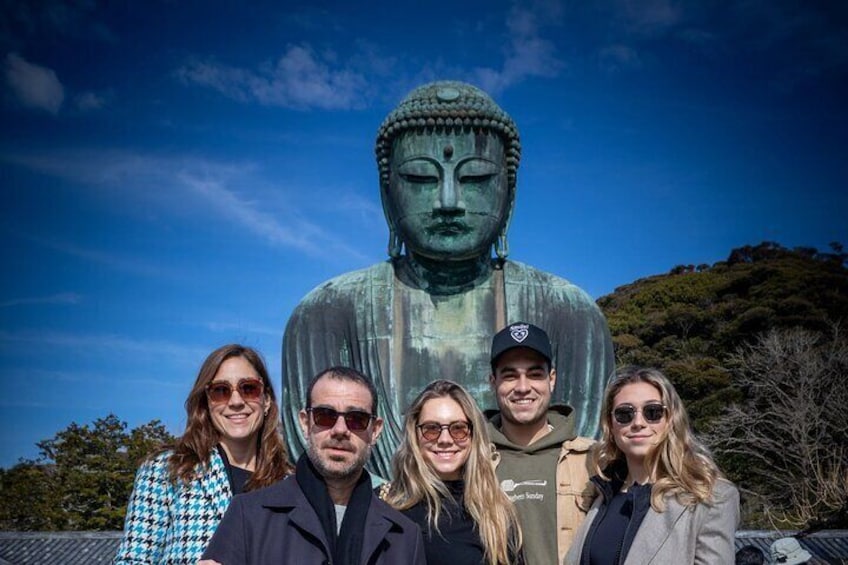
{"x":541,"y":463}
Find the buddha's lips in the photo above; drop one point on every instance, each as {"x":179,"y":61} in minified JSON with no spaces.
{"x":450,"y":228}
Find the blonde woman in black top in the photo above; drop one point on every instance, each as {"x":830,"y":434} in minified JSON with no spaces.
{"x":445,"y":481}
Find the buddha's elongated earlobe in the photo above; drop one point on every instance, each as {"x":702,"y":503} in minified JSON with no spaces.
{"x":501,"y":246}
{"x":395,"y":244}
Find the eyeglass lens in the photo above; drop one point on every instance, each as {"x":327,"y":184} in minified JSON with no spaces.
{"x":250,"y":390}
{"x":457,"y":430}
{"x":652,"y":413}
{"x":355,"y":420}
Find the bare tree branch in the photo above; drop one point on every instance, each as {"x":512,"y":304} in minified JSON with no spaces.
{"x":791,"y":431}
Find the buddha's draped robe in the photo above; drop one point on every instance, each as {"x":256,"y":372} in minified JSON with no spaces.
{"x":404,"y":337}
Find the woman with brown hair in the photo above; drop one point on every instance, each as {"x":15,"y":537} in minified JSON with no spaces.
{"x":444,"y":480}
{"x":232,"y":443}
{"x":660,"y":496}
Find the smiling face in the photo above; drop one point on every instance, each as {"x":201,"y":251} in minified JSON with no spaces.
{"x":448,"y":194}
{"x":445,"y":455}
{"x":523,"y":383}
{"x":237,"y":420}
{"x":336,"y":451}
{"x":639,"y":437}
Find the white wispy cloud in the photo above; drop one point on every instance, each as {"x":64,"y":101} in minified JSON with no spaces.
{"x":369,"y":211}
{"x":111,"y":343}
{"x":43,"y":377}
{"x":88,"y":101}
{"x":300,"y":79}
{"x":6,"y":402}
{"x":292,"y":230}
{"x":32,"y":85}
{"x":56,"y":18}
{"x":122,"y":263}
{"x":615,"y":58}
{"x":60,"y":298}
{"x":38,"y":379}
{"x":245,"y":328}
{"x":298,"y":234}
{"x":208,"y":185}
{"x":528,"y":53}
{"x":648,"y":17}
{"x":796,"y":42}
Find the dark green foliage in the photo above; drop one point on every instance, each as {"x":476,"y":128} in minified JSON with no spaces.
{"x":690,"y":322}
{"x":28,"y":498}
{"x":82,"y":479}
{"x":705,"y":313}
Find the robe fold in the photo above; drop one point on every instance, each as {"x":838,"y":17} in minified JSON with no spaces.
{"x":404,"y":337}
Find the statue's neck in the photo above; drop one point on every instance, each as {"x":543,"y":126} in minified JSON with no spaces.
{"x":446,"y":277}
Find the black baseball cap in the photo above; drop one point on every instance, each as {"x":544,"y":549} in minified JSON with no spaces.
{"x":521,"y":334}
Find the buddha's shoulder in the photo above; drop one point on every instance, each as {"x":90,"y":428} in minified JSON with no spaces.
{"x":519,"y":273}
{"x":351,"y":284}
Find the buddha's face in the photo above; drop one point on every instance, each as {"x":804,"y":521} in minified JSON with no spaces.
{"x":448,"y":193}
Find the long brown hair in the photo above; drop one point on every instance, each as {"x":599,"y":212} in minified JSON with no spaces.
{"x":680,"y":464}
{"x":415,"y":481}
{"x":192,"y":451}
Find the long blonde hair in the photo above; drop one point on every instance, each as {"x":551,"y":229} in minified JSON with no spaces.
{"x":680,"y":464}
{"x":415,"y":481}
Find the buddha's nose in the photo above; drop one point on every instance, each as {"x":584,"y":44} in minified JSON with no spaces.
{"x":450,"y":198}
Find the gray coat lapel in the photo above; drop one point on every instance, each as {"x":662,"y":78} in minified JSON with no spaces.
{"x":655,"y":531}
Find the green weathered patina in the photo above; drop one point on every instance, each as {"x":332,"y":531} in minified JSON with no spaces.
{"x":448,"y":159}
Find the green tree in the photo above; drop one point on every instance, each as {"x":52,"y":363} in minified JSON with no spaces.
{"x":29,"y":500}
{"x":82,"y":479}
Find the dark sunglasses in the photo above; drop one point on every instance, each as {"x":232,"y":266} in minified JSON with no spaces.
{"x":220,"y":392}
{"x":652,"y":413}
{"x":431,"y":431}
{"x":355,"y":420}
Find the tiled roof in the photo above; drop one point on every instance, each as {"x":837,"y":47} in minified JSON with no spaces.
{"x":65,"y":548}
{"x":828,"y":547}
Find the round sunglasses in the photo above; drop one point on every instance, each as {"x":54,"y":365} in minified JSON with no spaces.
{"x":652,"y":413}
{"x":220,"y":392}
{"x":355,"y":420}
{"x":431,"y":431}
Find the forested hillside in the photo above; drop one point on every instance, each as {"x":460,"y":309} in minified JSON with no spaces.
{"x":761,"y":335}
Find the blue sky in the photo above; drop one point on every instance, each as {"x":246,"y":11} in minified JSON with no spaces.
{"x":176,"y":175}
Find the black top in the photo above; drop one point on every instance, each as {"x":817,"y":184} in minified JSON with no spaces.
{"x":237,"y":476}
{"x":605,"y":546}
{"x":456,"y":542}
{"x":619,"y":517}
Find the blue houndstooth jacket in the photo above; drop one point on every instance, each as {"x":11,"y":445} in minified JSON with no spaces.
{"x":169,"y":523}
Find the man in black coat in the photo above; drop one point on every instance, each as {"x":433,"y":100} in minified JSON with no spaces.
{"x":326,"y":512}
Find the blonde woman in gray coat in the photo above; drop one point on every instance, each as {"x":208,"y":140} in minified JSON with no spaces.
{"x":660,"y":498}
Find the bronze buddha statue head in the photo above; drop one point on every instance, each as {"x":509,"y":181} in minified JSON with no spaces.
{"x":448,"y":159}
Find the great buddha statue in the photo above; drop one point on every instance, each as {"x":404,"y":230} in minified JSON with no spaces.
{"x":448,"y":160}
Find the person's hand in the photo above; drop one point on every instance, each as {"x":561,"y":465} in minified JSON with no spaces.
{"x":208,"y":562}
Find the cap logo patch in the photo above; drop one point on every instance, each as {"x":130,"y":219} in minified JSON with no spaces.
{"x":519,"y":333}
